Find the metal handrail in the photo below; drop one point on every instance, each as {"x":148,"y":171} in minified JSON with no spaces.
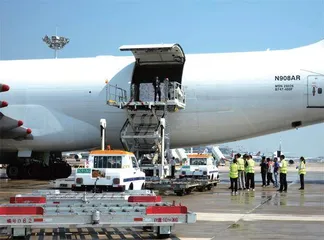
{"x":115,"y":93}
{"x":175,"y":91}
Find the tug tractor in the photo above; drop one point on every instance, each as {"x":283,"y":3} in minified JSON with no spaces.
{"x":198,"y":166}
{"x":109,"y":170}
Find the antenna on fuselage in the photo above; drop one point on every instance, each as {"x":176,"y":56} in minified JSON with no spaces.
{"x":55,"y":42}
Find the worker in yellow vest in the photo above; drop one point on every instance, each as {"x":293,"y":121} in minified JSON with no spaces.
{"x":283,"y":165}
{"x":245,"y":169}
{"x":241,"y":173}
{"x":302,"y":172}
{"x":250,"y":173}
{"x":233,"y":174}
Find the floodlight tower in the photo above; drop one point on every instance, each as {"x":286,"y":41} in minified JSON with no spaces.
{"x":55,"y":42}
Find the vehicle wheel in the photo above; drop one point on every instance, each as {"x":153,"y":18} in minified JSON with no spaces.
{"x":209,"y":187}
{"x":162,"y":236}
{"x":13,"y":172}
{"x":181,"y":193}
{"x":200,"y":189}
{"x":188,"y":191}
{"x":131,"y":187}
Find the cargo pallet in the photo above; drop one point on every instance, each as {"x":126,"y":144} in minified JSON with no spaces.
{"x":180,"y":186}
{"x":52,"y":209}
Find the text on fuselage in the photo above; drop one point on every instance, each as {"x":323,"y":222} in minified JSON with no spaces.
{"x":285,"y":87}
{"x":287,"y":78}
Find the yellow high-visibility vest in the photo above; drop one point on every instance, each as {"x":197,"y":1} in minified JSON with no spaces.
{"x":250,"y":167}
{"x":233,"y":170}
{"x":240,"y":164}
{"x":284,"y":167}
{"x":302,"y":168}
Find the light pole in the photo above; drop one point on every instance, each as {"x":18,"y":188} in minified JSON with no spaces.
{"x":56,"y":42}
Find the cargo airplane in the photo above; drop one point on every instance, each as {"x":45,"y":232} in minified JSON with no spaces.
{"x":54,"y":105}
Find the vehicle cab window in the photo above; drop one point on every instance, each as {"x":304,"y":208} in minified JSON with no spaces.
{"x":134,"y":162}
{"x":107,"y":162}
{"x":198,"y":161}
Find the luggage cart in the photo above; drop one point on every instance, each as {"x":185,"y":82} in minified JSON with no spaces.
{"x":51,"y":210}
{"x":180,"y":186}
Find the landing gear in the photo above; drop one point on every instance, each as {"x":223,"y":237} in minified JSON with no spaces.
{"x":60,"y":169}
{"x":38,"y":170}
{"x":13,"y":171}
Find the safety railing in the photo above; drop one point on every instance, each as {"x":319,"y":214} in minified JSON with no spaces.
{"x":175,"y":91}
{"x":115,"y":94}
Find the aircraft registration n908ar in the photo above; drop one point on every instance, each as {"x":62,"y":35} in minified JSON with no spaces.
{"x":54,"y":105}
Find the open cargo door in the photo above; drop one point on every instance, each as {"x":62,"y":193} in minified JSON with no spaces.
{"x":165,"y":61}
{"x":156,"y":54}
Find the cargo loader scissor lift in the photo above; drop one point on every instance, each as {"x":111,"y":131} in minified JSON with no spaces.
{"x":146,"y":128}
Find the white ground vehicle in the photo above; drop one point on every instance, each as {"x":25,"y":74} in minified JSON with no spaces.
{"x":110,"y":170}
{"x":62,"y":183}
{"x":200,"y":165}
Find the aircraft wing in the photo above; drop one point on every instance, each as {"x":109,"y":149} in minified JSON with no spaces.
{"x":11,"y":128}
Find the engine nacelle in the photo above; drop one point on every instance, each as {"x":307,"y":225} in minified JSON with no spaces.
{"x":78,"y":157}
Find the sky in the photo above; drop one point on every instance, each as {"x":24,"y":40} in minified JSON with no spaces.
{"x":100,"y":27}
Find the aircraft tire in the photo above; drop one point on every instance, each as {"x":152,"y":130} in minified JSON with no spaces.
{"x":68,"y":170}
{"x":29,"y":171}
{"x":55,"y":171}
{"x":45,"y":173}
{"x":34,"y":170}
{"x":13,"y":171}
{"x":38,"y":171}
{"x":61,"y":170}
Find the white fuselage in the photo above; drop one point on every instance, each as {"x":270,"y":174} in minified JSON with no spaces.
{"x":230,"y":96}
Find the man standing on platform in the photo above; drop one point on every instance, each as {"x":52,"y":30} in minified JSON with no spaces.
{"x":157,"y":88}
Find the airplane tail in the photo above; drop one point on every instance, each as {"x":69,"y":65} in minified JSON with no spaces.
{"x":258,"y":153}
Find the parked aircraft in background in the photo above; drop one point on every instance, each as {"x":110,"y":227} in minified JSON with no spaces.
{"x":257,"y":157}
{"x":54,"y":105}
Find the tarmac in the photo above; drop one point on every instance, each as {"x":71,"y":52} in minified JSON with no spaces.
{"x":260,"y":214}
